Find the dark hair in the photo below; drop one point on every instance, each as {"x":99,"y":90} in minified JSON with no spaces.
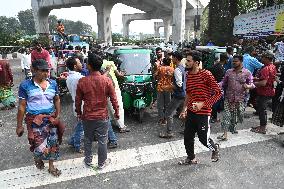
{"x":250,"y":49}
{"x":223,"y":57}
{"x":158,"y":49}
{"x":177,"y":55}
{"x":79,"y":56}
{"x":196,"y":55}
{"x":230,"y":50}
{"x":166,"y":61}
{"x":239,"y":56}
{"x":95,"y":61}
{"x":70,"y":63}
{"x":36,"y":42}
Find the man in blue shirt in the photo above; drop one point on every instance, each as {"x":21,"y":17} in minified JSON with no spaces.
{"x":249,"y":62}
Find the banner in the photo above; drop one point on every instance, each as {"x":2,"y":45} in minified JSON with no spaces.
{"x":260,"y":23}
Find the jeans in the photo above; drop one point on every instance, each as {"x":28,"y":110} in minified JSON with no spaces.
{"x":262,"y":103}
{"x":163,"y":99}
{"x":170,"y":111}
{"x":111,"y":135}
{"x":75,"y":139}
{"x":100,"y":129}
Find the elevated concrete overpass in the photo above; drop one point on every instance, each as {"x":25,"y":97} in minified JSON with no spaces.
{"x":171,"y":11}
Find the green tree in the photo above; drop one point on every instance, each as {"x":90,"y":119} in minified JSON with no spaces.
{"x":27,"y":22}
{"x":117,"y":37}
{"x":52,"y":20}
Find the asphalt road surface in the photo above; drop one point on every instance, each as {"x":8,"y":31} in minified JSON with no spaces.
{"x":143,"y":160}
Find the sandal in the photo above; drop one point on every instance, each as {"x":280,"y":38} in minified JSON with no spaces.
{"x":188,"y":162}
{"x":166,"y":135}
{"x":222,"y":138}
{"x":258,"y":130}
{"x":39,"y":164}
{"x":55,"y":172}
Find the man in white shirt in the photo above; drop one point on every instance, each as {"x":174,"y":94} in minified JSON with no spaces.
{"x":279,"y":49}
{"x":75,"y":67}
{"x":26,"y":62}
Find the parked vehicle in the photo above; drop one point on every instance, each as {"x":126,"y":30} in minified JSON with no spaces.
{"x":137,"y":87}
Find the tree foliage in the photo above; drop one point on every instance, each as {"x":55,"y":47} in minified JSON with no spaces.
{"x":27,"y":23}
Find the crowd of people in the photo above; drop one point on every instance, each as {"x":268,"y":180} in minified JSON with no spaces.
{"x":251,"y":77}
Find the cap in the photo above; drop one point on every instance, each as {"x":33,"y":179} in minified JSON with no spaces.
{"x":40,"y":64}
{"x":268,"y":54}
{"x":169,"y":50}
{"x":178,"y":55}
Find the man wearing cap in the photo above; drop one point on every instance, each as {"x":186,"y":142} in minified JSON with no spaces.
{"x":39,"y":102}
{"x":265,"y":89}
{"x":178,"y":94}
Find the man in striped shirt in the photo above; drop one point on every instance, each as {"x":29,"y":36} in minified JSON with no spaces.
{"x":202,"y":91}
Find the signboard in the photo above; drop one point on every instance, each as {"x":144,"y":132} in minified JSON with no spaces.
{"x":260,"y":23}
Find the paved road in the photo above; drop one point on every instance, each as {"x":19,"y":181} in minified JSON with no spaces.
{"x":143,"y":160}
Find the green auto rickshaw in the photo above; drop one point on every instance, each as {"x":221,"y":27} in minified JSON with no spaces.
{"x":136,"y":87}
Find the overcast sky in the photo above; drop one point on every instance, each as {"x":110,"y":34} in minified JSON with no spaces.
{"x":85,"y":14}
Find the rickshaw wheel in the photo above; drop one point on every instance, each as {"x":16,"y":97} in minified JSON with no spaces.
{"x":141,"y":115}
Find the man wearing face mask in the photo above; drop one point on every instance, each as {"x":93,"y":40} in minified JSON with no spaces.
{"x":202,"y":91}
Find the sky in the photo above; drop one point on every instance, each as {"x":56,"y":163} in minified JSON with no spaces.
{"x":87,"y":15}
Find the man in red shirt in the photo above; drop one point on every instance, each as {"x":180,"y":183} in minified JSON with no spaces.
{"x":40,"y":53}
{"x":94,"y":90}
{"x":265,"y":89}
{"x":202,"y":91}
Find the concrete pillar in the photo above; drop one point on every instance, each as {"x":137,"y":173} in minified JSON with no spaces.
{"x":41,"y":20}
{"x":167,"y":25}
{"x":126,"y":29}
{"x":179,"y":7}
{"x":157,"y":26}
{"x":103,"y":9}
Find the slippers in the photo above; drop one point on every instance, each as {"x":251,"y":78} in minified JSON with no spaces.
{"x":39,"y":164}
{"x":222,"y":138}
{"x":55,"y":172}
{"x":258,"y":130}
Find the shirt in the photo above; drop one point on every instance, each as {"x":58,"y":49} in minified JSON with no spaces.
{"x":6,"y":76}
{"x":113,"y":68}
{"x":268,"y":72}
{"x":202,"y":87}
{"x":228,"y":65}
{"x":94,"y":90}
{"x":44,"y":54}
{"x":279,"y":53}
{"x":38,"y":101}
{"x":165,"y":76}
{"x":233,"y":84}
{"x":71,"y":82}
{"x":26,"y":61}
{"x":251,"y":63}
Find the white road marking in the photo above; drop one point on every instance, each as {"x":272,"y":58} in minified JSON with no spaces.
{"x":26,"y":177}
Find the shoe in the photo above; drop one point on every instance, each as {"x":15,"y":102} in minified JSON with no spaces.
{"x":166,"y":135}
{"x":215,"y":154}
{"x":106,"y":163}
{"x":124,"y":130}
{"x":89,"y":164}
{"x":112,"y":145}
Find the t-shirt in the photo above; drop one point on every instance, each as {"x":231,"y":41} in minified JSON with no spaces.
{"x":113,"y":68}
{"x":268,"y":73}
{"x":165,"y":78}
{"x":38,"y":101}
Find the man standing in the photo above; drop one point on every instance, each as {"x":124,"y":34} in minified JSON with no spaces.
{"x":40,"y":53}
{"x":265,"y":90}
{"x":230,"y":52}
{"x":279,"y":49}
{"x":236,"y":83}
{"x":39,"y":101}
{"x":251,"y":63}
{"x":202,"y":91}
{"x":7,"y":97}
{"x":26,"y":62}
{"x":60,"y":30}
{"x":178,"y":94}
{"x":94,"y":90}
{"x":75,"y":67}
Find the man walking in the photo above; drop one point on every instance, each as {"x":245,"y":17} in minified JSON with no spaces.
{"x":265,"y":90}
{"x":202,"y":91}
{"x":236,"y":83}
{"x":26,"y":62}
{"x":94,"y":90}
{"x":178,"y":94}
